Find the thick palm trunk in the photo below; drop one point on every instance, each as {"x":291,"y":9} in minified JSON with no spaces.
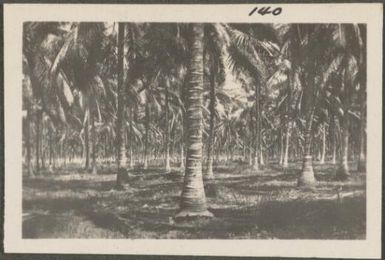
{"x":209,"y":172}
{"x":306,"y":178}
{"x":122,"y":176}
{"x":145,"y":165}
{"x":343,"y":168}
{"x":193,"y":199}
{"x":167,"y":132}
{"x":93,"y":143}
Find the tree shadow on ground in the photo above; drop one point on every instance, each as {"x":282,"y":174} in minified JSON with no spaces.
{"x":247,"y":205}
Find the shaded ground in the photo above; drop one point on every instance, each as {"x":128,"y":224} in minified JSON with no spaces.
{"x":70,"y":203}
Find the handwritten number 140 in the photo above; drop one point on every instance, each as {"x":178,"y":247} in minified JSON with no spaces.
{"x":266,"y":10}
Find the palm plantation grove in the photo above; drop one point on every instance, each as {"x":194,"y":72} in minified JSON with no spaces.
{"x":194,"y":130}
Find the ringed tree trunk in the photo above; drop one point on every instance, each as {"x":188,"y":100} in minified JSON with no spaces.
{"x":285,"y":162}
{"x":343,"y":173}
{"x":343,"y":169}
{"x":122,"y":176}
{"x":193,"y":199}
{"x":306,"y":178}
{"x":167,"y":130}
{"x":209,"y":172}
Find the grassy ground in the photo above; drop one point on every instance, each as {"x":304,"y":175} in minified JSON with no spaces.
{"x":70,"y":203}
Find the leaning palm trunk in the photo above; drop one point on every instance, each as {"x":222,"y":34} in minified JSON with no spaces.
{"x":121,"y":177}
{"x":209,"y":173}
{"x":193,"y":199}
{"x":306,"y":178}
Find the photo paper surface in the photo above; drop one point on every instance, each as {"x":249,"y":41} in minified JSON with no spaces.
{"x":237,"y":130}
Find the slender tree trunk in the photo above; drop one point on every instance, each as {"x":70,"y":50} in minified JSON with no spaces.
{"x":281,"y":147}
{"x":167,"y":131}
{"x":362,"y":155}
{"x":86,"y":142}
{"x":285,"y":161}
{"x":146,"y":134}
{"x":50,"y":159}
{"x":257,"y":128}
{"x":209,"y":173}
{"x":122,"y":176}
{"x":131,"y":142}
{"x":28,"y":141}
{"x":251,"y":136}
{"x":93,"y":143}
{"x":181,"y":157}
{"x":193,"y":199}
{"x":288,"y":118}
{"x":323,"y":151}
{"x":37,"y":152}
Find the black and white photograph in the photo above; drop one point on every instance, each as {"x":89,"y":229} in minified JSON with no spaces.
{"x":194,"y":130}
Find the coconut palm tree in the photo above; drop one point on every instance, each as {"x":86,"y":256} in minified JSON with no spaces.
{"x":193,"y":199}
